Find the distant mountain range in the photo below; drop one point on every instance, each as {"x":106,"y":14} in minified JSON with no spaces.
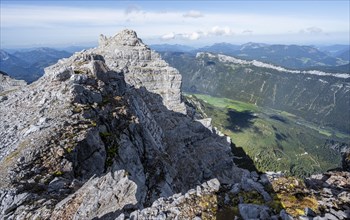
{"x":290,"y":56}
{"x":345,"y":55}
{"x":334,"y":50}
{"x":29,"y":64}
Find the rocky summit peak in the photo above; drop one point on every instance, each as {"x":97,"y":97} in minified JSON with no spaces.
{"x":104,"y":133}
{"x":125,"y":37}
{"x":142,"y":67}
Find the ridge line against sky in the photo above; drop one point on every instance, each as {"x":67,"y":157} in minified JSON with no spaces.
{"x":26,"y":23}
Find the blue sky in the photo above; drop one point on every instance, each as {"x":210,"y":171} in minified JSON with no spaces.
{"x":197,"y":23}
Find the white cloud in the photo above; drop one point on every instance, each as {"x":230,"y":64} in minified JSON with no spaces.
{"x":191,"y":36}
{"x":312,"y":30}
{"x":193,"y":14}
{"x":168,"y":36}
{"x":219,"y":31}
{"x":188,"y":36}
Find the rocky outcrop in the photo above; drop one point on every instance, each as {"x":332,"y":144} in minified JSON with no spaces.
{"x":144,"y":67}
{"x":8,"y":84}
{"x":332,"y":190}
{"x":102,"y":134}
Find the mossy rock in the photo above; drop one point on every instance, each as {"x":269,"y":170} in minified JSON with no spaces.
{"x":293,"y":195}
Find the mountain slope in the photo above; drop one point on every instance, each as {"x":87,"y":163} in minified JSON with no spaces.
{"x":29,"y":64}
{"x":344,"y":55}
{"x":333,"y":50}
{"x":41,"y":54}
{"x":290,"y":56}
{"x":224,"y":48}
{"x":316,"y":96}
{"x":14,"y":66}
{"x":274,"y":140}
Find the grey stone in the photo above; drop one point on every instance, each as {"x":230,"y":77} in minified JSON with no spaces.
{"x":63,"y":74}
{"x":236,"y":188}
{"x":120,"y":217}
{"x":111,"y":191}
{"x":249,"y":184}
{"x":214,"y":185}
{"x":198,"y":191}
{"x":11,"y":202}
{"x":8,"y":84}
{"x":264,"y":214}
{"x":254,"y":175}
{"x":56,"y":184}
{"x":3,"y":98}
{"x":340,"y":214}
{"x":264,"y":179}
{"x":252,"y":211}
{"x":78,"y":78}
{"x":90,"y":155}
{"x":344,"y":197}
{"x":329,"y":216}
{"x":275,"y":217}
{"x":309,"y":212}
{"x":305,"y":218}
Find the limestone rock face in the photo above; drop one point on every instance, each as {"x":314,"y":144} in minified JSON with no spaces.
{"x":103,"y":133}
{"x":118,"y":191}
{"x":142,"y":67}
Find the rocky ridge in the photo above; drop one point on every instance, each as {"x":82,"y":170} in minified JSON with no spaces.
{"x":94,"y":125}
{"x":7,"y":83}
{"x":104,"y":134}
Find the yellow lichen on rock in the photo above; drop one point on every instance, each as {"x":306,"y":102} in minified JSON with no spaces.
{"x":294,"y":196}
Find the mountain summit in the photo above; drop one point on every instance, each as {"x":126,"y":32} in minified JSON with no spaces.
{"x":102,"y":133}
{"x":144,"y":67}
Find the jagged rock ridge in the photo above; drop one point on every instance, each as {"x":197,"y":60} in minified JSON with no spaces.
{"x":103,"y":127}
{"x":7,"y":83}
{"x":144,"y":67}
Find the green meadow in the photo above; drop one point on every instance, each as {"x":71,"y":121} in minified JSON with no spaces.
{"x":273,"y":140}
